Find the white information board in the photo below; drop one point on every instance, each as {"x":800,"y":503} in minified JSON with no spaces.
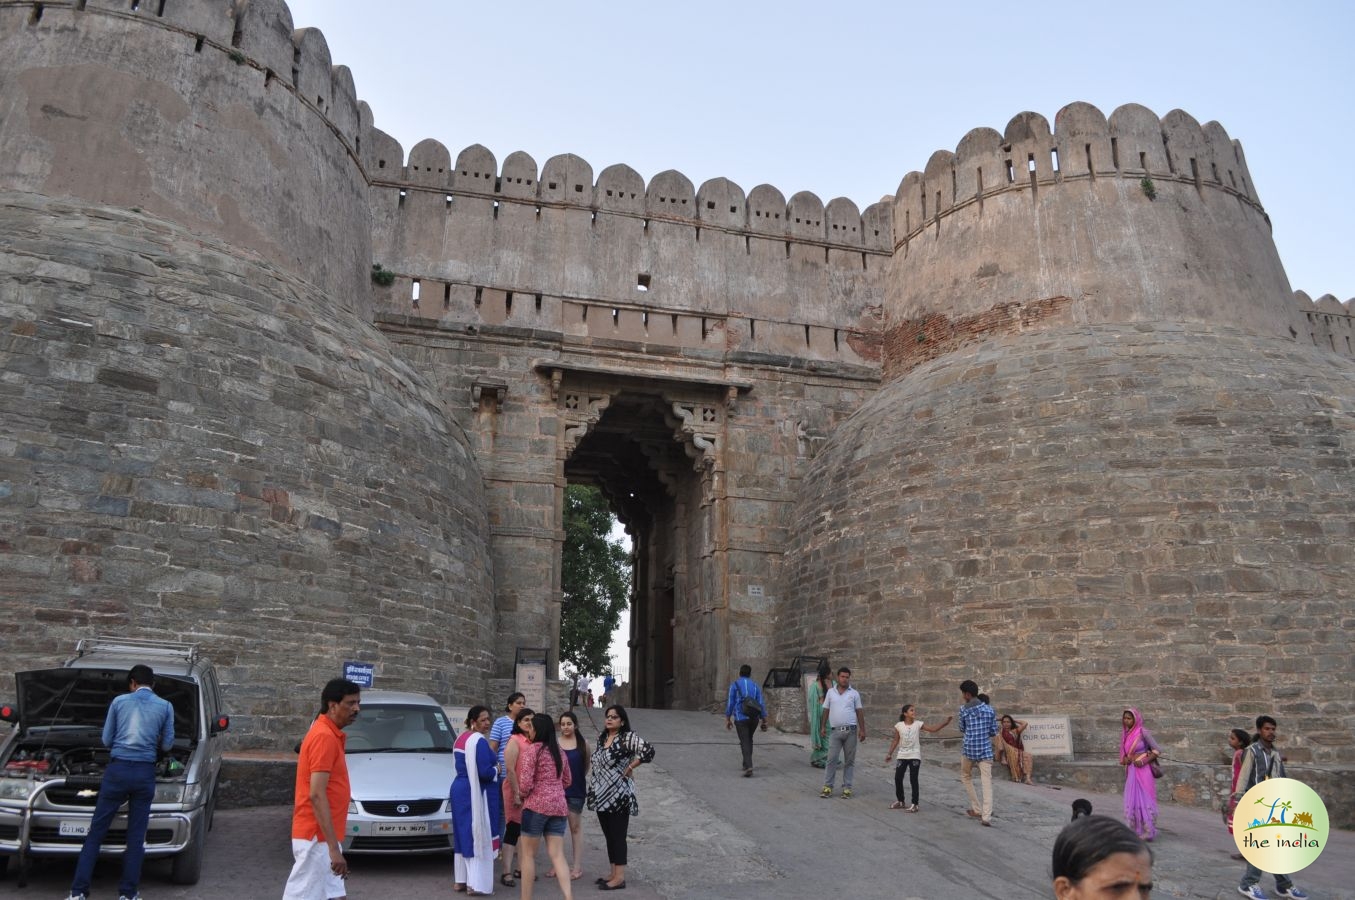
{"x":532,"y":683}
{"x":1047,"y":735}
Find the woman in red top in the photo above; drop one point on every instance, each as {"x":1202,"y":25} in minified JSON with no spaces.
{"x":543,"y":775}
{"x":1238,"y":741}
{"x":1014,"y":750}
{"x":512,"y":795}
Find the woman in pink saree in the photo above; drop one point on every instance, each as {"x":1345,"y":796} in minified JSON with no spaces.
{"x":1137,"y":750}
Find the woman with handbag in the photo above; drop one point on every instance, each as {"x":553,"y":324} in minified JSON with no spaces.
{"x":1138,"y":755}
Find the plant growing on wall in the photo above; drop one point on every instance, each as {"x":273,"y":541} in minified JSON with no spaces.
{"x":1149,"y":189}
{"x":382,"y":276}
{"x":594,"y":580}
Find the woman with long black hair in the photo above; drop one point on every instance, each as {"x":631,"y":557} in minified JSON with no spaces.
{"x":543,"y":776}
{"x":611,"y":793}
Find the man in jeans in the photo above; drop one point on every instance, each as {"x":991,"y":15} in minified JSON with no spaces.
{"x":744,"y":688}
{"x":1262,"y":761}
{"x":139,"y":727}
{"x":978,"y":724}
{"x":845,"y":724}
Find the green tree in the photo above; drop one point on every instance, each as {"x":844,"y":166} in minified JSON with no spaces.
{"x":594,"y":579}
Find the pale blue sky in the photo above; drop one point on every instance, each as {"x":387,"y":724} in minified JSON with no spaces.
{"x":845,"y":98}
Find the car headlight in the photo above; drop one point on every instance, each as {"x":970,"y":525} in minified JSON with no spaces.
{"x":353,"y":807}
{"x":169,"y":792}
{"x":192,"y":793}
{"x":447,"y":807}
{"x":15,"y":788}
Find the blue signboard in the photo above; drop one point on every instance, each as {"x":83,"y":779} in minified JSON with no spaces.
{"x":359,"y":673}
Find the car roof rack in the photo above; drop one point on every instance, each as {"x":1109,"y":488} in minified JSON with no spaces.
{"x":143,"y":647}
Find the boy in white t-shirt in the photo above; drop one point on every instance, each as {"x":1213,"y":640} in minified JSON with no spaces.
{"x":908,"y":742}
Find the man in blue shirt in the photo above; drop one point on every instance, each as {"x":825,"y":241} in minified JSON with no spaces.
{"x":978,"y":724}
{"x":138,"y":728}
{"x":741,"y":691}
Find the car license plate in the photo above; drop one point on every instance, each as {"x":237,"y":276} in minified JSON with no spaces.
{"x":73,"y":829}
{"x":400,"y":828}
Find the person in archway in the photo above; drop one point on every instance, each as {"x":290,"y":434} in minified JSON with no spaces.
{"x":744,"y":710}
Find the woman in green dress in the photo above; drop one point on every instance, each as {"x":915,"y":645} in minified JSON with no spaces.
{"x":818,"y":739}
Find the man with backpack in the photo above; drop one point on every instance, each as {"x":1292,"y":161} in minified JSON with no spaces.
{"x":745,"y":710}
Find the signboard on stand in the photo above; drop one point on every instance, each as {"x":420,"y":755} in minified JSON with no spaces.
{"x":1047,"y":735}
{"x":530,"y":674}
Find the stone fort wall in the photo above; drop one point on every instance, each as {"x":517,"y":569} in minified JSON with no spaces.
{"x":1051,"y":417}
{"x":203,"y":436}
{"x":1110,"y":465}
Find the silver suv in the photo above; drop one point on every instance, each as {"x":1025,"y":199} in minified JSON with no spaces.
{"x":52,"y":761}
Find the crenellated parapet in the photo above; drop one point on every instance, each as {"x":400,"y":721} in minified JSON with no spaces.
{"x":221,"y":116}
{"x":1326,"y":322}
{"x":664,"y":264}
{"x":1131,"y":218}
{"x":1132,"y":144}
{"x":568,"y":181}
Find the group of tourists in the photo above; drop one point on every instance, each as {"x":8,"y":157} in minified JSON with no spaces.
{"x":1254,"y":757}
{"x":520,"y":781}
{"x":837,"y":725}
{"x":525,"y":778}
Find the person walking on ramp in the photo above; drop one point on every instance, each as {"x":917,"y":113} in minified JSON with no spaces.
{"x":744,"y":710}
{"x":845,"y":723}
{"x":978,"y":724}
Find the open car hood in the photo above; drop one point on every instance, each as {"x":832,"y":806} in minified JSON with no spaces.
{"x":80,"y":697}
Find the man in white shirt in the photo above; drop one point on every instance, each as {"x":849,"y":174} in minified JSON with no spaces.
{"x":845,"y":725}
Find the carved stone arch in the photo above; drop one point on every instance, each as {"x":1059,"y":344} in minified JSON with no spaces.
{"x":580,"y":409}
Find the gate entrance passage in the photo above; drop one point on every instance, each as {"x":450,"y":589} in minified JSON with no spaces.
{"x":656,"y":458}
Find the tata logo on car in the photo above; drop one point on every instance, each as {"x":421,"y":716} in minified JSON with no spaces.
{"x":403,"y":809}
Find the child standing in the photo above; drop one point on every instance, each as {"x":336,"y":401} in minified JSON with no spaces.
{"x":908,"y":742}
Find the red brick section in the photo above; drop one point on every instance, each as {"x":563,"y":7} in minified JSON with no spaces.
{"x":915,"y":341}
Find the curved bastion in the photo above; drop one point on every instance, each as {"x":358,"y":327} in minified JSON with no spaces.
{"x":1101,"y":472}
{"x":202,"y":437}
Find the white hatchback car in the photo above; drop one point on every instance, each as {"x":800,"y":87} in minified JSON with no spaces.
{"x":399,"y":752}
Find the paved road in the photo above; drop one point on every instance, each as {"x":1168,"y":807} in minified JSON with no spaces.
{"x":706,"y":832}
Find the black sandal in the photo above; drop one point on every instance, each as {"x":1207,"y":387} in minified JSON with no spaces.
{"x":507,"y":880}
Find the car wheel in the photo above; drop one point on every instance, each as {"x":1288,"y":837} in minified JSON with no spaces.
{"x":186,"y":866}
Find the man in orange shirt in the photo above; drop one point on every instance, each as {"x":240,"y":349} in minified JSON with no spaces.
{"x":322,"y":794}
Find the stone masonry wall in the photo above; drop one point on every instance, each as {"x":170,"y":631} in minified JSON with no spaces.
{"x":199,"y":446}
{"x":216,"y":115}
{"x":1120,"y":515}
